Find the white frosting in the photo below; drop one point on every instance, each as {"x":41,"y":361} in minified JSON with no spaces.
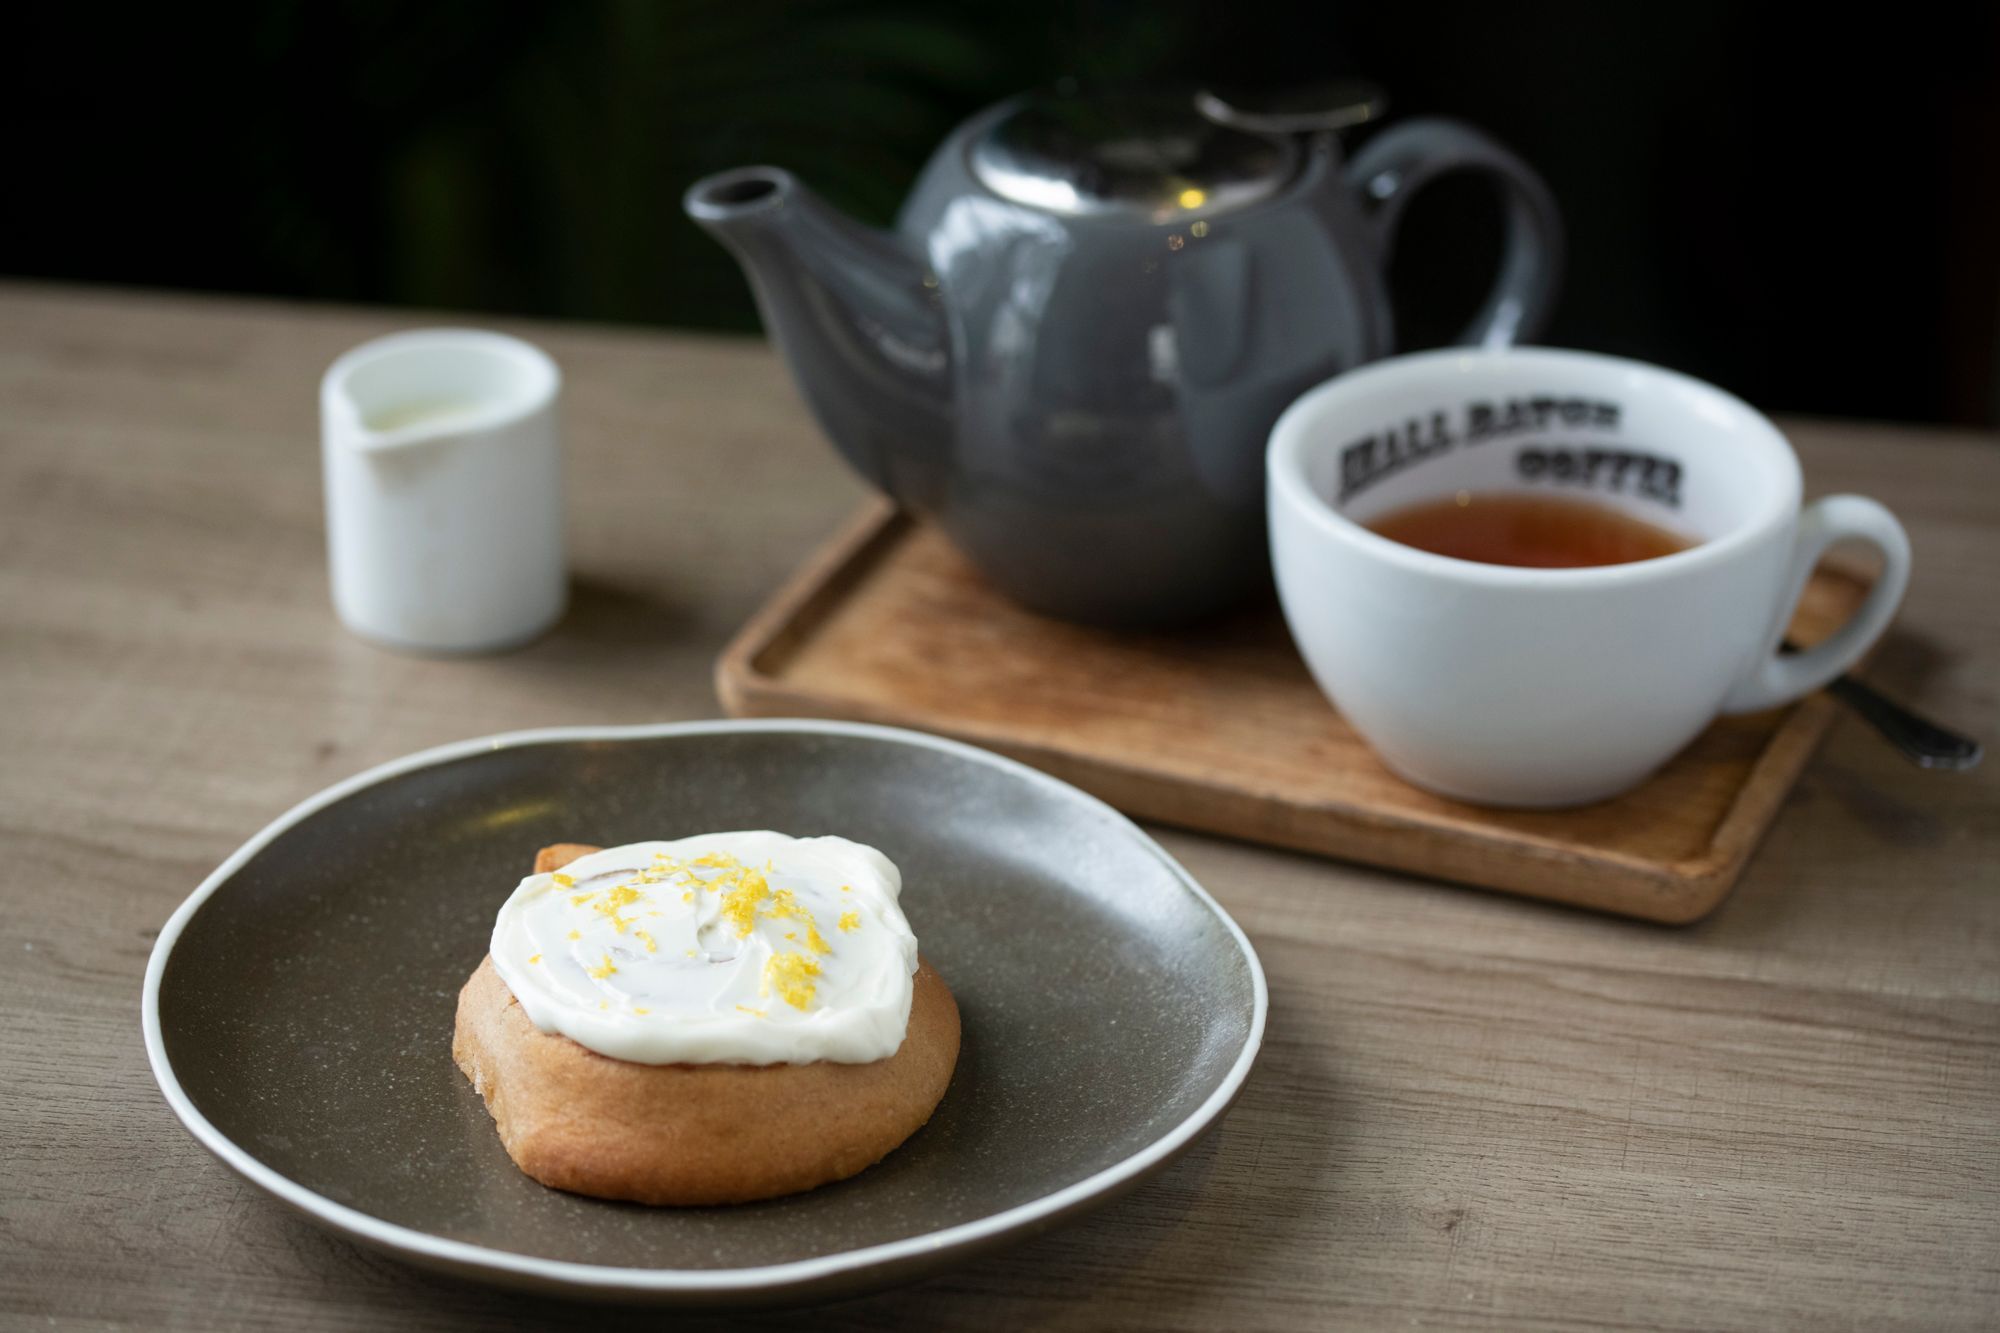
{"x":780,"y":951}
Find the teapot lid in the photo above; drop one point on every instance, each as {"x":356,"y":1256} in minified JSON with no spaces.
{"x":1154,"y":155}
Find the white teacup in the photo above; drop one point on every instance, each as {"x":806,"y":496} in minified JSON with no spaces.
{"x":1549,"y":687}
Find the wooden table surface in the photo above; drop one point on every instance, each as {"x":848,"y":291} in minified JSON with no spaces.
{"x":1471,"y":1111}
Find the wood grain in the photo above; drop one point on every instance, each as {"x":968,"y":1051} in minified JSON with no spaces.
{"x":1219,"y":728}
{"x":1472,"y":1111}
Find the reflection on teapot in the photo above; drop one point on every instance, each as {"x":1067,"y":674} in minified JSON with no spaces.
{"x":1070,"y":351}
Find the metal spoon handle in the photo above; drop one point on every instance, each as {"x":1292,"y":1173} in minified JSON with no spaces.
{"x":1925,"y":742}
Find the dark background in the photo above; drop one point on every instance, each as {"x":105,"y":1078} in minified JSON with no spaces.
{"x":1800,"y":203}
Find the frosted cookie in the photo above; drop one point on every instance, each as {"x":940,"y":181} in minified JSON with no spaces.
{"x":728,"y":1017}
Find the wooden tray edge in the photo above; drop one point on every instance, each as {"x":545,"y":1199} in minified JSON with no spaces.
{"x":744,"y":671}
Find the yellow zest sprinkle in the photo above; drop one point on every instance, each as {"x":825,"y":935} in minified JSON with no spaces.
{"x":850,"y":921}
{"x":637,"y":1010}
{"x":576,"y":934}
{"x":847,"y":888}
{"x":604,"y":969}
{"x":693,"y":954}
{"x":647,"y":940}
{"x":739,"y":905}
{"x":717,"y":861}
{"x":563,"y":881}
{"x":754,"y":1013}
{"x":785,"y":905}
{"x":534,"y":958}
{"x":622,"y":896}
{"x":582,"y":898}
{"x":791,"y":934}
{"x":687,"y":897}
{"x":604,"y":1004}
{"x":790,"y":975}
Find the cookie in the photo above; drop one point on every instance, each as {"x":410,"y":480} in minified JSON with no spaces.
{"x":713,"y":1133}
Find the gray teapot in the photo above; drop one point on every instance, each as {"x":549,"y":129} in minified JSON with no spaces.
{"x":1070,"y":351}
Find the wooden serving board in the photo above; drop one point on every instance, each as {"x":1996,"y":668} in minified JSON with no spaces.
{"x":1220,"y":728}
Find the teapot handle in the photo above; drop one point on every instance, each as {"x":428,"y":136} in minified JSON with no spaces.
{"x":1401,"y":160}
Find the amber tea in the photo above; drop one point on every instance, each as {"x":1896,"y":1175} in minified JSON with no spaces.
{"x":1534,"y":531}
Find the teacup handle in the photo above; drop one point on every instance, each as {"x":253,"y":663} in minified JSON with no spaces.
{"x":1395,"y":164}
{"x":1779,"y":679}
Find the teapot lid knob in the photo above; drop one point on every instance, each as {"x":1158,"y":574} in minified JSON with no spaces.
{"x":1315,"y":108}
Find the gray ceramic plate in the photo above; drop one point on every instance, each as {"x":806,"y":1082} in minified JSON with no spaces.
{"x":298,"y":1007}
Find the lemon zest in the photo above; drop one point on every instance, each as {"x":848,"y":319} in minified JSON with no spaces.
{"x":622,"y":896}
{"x":791,"y":976}
{"x":739,"y":905}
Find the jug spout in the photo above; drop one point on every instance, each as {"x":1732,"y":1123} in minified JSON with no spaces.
{"x":853,"y":312}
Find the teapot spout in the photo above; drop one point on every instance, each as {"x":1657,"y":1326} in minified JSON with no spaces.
{"x":851,"y":312}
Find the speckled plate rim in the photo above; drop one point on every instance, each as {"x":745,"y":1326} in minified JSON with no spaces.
{"x":463,"y":1256}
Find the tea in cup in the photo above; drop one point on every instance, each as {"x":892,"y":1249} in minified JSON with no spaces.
{"x":1529,"y":577}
